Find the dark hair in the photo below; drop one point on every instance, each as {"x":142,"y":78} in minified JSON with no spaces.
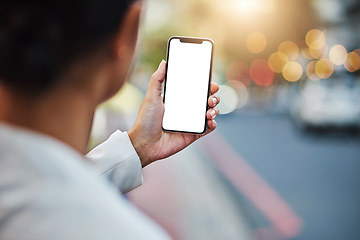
{"x":39,"y":39}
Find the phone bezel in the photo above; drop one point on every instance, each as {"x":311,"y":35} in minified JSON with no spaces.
{"x":190,"y":40}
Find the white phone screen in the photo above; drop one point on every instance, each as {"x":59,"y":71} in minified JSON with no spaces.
{"x":187,"y":85}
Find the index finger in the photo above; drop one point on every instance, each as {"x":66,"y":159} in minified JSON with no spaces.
{"x":214,"y":87}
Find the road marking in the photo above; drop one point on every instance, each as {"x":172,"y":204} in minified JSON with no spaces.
{"x":236,"y":169}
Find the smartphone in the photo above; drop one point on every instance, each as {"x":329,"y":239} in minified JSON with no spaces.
{"x":187,"y":84}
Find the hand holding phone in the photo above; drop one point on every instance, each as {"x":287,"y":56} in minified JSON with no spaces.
{"x":147,"y":136}
{"x":187,"y":84}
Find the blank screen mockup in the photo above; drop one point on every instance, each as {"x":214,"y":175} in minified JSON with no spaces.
{"x":187,"y":82}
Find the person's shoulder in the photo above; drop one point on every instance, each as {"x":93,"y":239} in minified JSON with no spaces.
{"x":48,"y":191}
{"x":53,"y":210}
{"x":59,"y":210}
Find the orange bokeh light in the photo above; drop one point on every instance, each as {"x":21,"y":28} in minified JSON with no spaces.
{"x":315,"y":39}
{"x":324,"y":68}
{"x":352,"y":62}
{"x":318,"y":53}
{"x":261,"y":73}
{"x":290,"y":49}
{"x":256,"y":42}
{"x":310,"y":71}
{"x":306,"y":53}
{"x":276,"y":61}
{"x":292,"y":71}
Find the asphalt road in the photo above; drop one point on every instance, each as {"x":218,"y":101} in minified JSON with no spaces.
{"x":317,"y":175}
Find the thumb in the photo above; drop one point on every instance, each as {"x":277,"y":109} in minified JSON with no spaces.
{"x":155,"y":84}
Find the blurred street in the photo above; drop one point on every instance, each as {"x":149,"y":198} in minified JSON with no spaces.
{"x":258,"y":176}
{"x":295,"y":186}
{"x":284,"y":161}
{"x":317,"y":176}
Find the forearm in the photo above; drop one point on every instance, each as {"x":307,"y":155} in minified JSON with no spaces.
{"x":117,"y":160}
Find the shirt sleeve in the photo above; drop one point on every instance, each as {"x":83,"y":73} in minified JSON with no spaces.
{"x":117,"y":160}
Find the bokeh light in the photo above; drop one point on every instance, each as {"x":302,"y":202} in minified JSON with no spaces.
{"x":238,"y":71}
{"x":256,"y":42}
{"x":352,"y":62}
{"x":315,"y":39}
{"x":261,"y":73}
{"x":242,"y":93}
{"x":324,"y":68}
{"x":318,"y":53}
{"x":317,"y":43}
{"x":276,"y":61}
{"x":229,"y":99}
{"x":292,"y":71}
{"x":290,"y":49}
{"x":305,"y":52}
{"x":337,"y":54}
{"x":354,"y":59}
{"x":310,"y":71}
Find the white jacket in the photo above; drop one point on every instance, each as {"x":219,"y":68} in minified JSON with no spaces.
{"x":49,"y":191}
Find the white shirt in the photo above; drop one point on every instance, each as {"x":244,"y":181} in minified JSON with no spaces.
{"x":49,"y":191}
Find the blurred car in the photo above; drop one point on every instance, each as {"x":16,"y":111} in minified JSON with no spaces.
{"x":327,"y":104}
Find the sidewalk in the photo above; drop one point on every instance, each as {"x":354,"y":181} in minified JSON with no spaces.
{"x":188,"y":198}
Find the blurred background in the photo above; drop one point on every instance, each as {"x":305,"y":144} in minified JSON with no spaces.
{"x":284,"y":160}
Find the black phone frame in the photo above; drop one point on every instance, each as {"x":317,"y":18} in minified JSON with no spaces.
{"x":190,"y":40}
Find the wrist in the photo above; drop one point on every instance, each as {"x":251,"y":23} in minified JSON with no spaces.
{"x":139,"y":147}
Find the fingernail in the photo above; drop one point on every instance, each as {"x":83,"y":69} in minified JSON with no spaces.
{"x":162,"y":61}
{"x":213,"y":113}
{"x":214,"y":123}
{"x":214,"y":100}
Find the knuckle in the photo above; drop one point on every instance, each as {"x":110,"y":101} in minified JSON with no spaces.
{"x":153,"y":76}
